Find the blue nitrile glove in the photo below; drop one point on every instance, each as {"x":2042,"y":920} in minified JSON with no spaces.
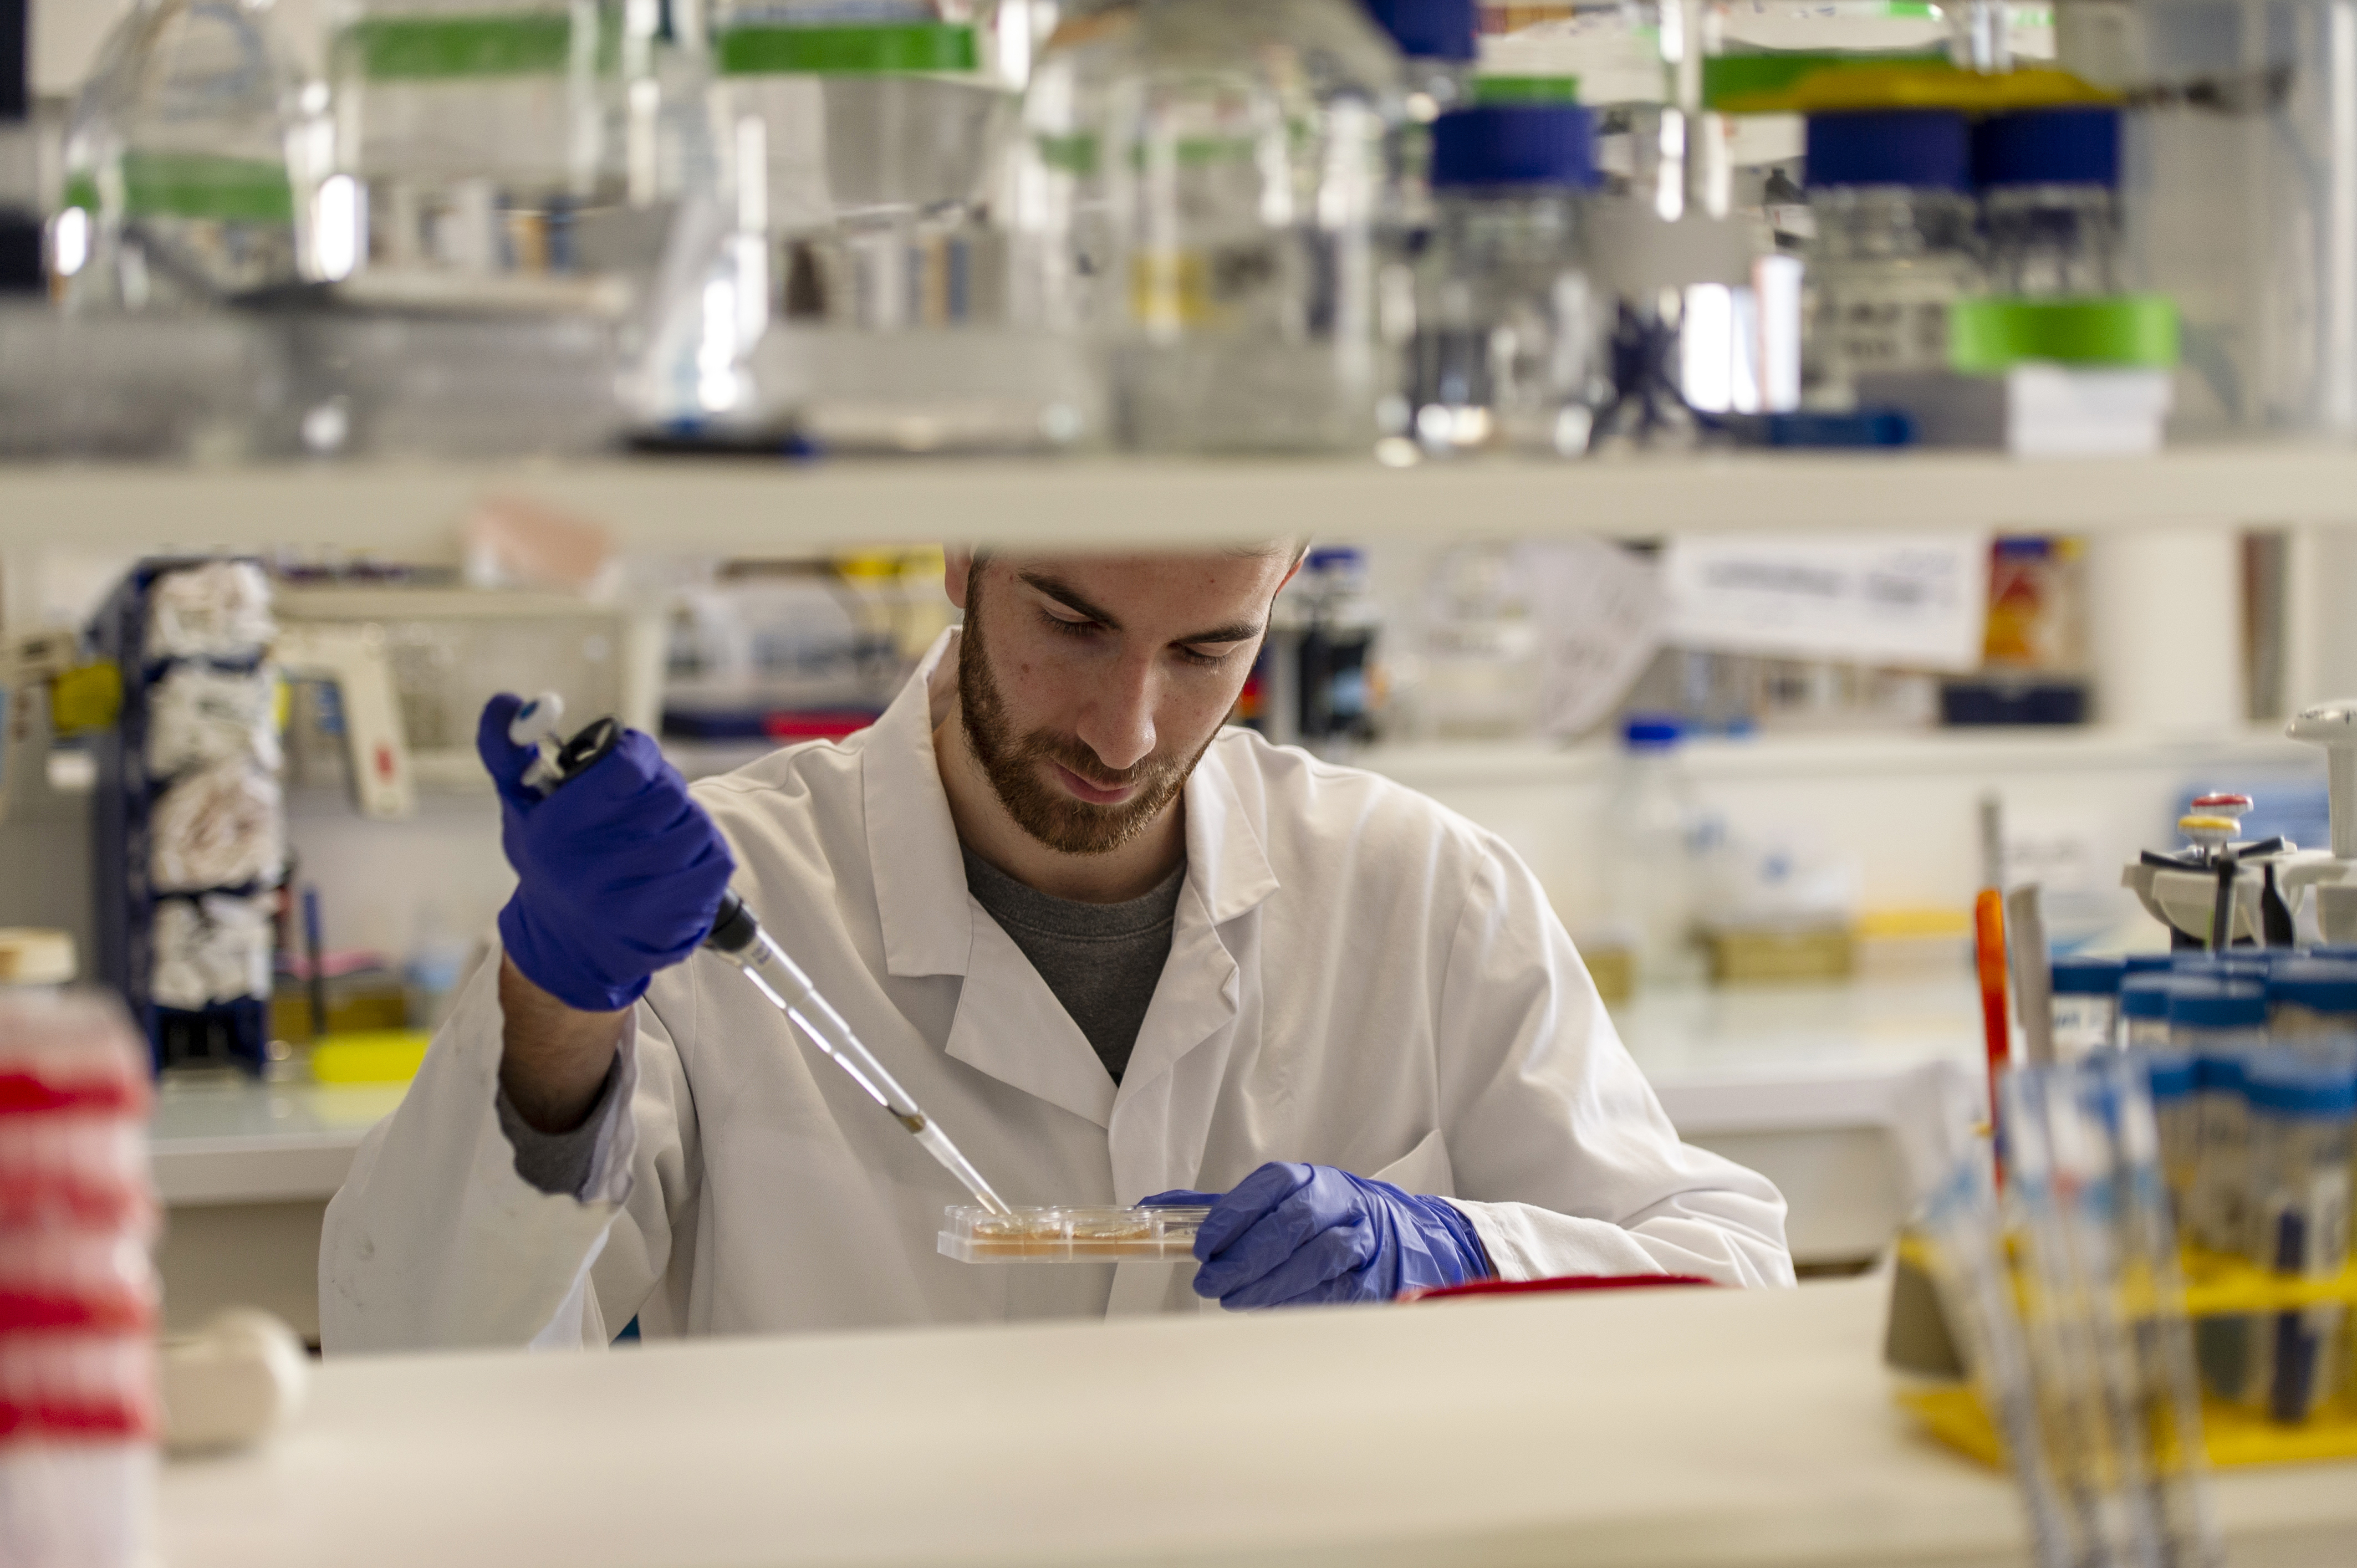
{"x":620,"y":873}
{"x":1293,"y":1234}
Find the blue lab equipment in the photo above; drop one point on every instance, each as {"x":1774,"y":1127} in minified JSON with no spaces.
{"x":619,"y":875}
{"x":2050,"y":180}
{"x":1292,"y":1234}
{"x":2143,"y":1008}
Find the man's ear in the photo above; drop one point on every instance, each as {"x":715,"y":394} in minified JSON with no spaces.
{"x":957,"y":574}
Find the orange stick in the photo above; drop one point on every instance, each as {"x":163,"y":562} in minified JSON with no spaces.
{"x":1988,"y":948}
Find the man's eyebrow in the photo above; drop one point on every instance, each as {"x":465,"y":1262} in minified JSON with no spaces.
{"x":1064,"y":594}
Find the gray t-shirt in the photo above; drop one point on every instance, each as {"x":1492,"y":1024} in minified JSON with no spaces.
{"x":1101,"y":960}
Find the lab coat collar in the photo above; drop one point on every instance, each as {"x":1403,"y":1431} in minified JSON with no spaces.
{"x":912,"y":843}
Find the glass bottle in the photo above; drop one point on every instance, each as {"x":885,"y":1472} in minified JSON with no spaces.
{"x":1896,"y":243}
{"x":1651,"y":832}
{"x":489,"y":148}
{"x":1509,"y":333}
{"x":2050,"y":182}
{"x":1204,"y":179}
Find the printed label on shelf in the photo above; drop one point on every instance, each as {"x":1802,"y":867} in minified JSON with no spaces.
{"x":1921,"y":603}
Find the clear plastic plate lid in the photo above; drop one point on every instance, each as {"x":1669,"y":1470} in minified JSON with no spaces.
{"x":1069,"y":1234}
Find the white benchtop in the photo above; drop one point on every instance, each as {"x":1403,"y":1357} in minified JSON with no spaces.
{"x":1655,"y":1427}
{"x":1751,"y":1058}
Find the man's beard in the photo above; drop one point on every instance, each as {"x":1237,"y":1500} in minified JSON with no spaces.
{"x":1011,"y":763}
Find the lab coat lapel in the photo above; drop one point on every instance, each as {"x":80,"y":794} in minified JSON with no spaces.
{"x":1162,"y":1115}
{"x":1008,"y":1024}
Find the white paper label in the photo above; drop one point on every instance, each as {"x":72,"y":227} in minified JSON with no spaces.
{"x":1919,"y":602}
{"x":1601,"y":617}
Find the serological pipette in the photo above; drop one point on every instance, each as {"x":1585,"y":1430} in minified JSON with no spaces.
{"x":737,"y":936}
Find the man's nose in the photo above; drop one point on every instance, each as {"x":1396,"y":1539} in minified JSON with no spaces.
{"x":1118,"y":724}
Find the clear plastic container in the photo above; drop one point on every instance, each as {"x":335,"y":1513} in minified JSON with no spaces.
{"x":77,"y":1457}
{"x":2144,"y":1010}
{"x":191,"y":159}
{"x":2301,"y":1112}
{"x":1649,"y":832}
{"x":2220,"y":1023}
{"x":1069,"y":1234}
{"x":485,"y":147}
{"x":78,"y":1300}
{"x":1510,"y":334}
{"x":1897,"y":243}
{"x":2085,"y":1005}
{"x":1206,"y":180}
{"x":2049,"y":202}
{"x":2176,"y":1111}
{"x":2313,"y":999}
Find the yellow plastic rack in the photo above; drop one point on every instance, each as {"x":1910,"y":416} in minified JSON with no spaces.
{"x":2215,"y":1287}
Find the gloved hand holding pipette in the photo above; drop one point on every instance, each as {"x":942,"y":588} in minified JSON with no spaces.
{"x":619,"y":874}
{"x":1293,"y":1234}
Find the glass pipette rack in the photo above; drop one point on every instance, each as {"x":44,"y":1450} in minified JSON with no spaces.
{"x":2215,"y":1287}
{"x":1069,"y":1234}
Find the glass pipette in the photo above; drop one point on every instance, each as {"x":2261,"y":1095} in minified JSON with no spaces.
{"x":737,"y":936}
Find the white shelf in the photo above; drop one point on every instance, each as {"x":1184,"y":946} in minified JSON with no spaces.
{"x":745,"y":506}
{"x":1888,"y":754}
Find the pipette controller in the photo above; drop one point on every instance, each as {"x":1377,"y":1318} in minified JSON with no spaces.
{"x":737,"y":936}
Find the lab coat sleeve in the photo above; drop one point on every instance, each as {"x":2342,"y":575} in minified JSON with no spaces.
{"x":1563,"y":1159}
{"x":435,"y":1242}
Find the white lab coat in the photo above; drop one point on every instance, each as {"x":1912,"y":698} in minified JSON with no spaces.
{"x":1357,"y":978}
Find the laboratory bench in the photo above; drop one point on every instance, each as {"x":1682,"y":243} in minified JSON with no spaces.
{"x":1691,"y":1426}
{"x":1851,"y":1097}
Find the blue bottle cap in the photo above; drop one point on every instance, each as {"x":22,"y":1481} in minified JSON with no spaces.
{"x":1919,"y":148}
{"x":2087,"y":976}
{"x":1431,"y":30}
{"x":2170,"y":1073}
{"x":2333,"y":950}
{"x":1516,"y":143}
{"x":2072,"y":144}
{"x":2243,"y":964}
{"x":1649,"y":732}
{"x":2323,"y":985}
{"x":2219,"y":1070}
{"x":2146,"y":996}
{"x":2203,"y":1004}
{"x":2285,"y":1083}
{"x":2145,"y":962}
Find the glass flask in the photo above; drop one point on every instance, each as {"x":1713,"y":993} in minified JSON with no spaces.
{"x":489,"y":150}
{"x":1201,"y":183}
{"x":1509,"y":336}
{"x":1896,"y":243}
{"x":190,"y":156}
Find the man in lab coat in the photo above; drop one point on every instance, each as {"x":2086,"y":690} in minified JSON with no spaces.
{"x":1112,"y":947}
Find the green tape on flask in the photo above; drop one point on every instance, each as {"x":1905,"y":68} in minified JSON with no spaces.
{"x":1990,"y":335}
{"x":195,"y":185}
{"x":1776,"y":70}
{"x":866,"y":49}
{"x":523,"y":43}
{"x":1526,"y":89}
